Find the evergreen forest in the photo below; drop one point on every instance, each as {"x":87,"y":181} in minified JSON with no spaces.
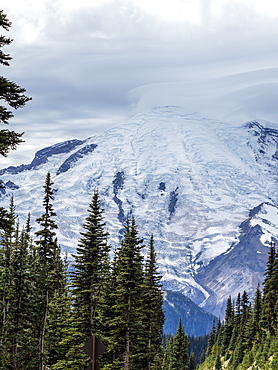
{"x":50,"y":306}
{"x":248,"y":336}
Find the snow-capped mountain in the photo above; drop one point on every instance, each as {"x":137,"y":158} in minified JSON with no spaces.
{"x":206,"y":189}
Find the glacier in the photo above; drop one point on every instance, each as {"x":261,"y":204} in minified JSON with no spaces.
{"x":206,"y":190}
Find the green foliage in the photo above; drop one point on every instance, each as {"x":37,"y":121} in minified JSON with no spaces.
{"x":153,"y":302}
{"x":248,"y":336}
{"x":192,"y":361}
{"x":92,"y":269}
{"x":10,"y":93}
{"x":176,"y":352}
{"x":127,"y":326}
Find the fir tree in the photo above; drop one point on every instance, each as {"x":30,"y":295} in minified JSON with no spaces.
{"x":16,"y":298}
{"x":22,"y":300}
{"x":10,"y":93}
{"x":49,"y":278}
{"x":127,"y":325}
{"x":153,"y":297}
{"x":91,"y":268}
{"x":268,"y":319}
{"x":212,"y":337}
{"x":91,"y":275}
{"x":167,"y":358}
{"x":180,"y":350}
{"x":229,"y":321}
{"x":218,"y":364}
{"x":192,"y":361}
{"x":6,"y":287}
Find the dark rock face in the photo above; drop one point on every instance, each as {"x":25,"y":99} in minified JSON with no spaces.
{"x":162,"y":186}
{"x":196,"y":321}
{"x":2,"y":188}
{"x":118,"y":184}
{"x":42,"y":156}
{"x":11,"y":185}
{"x":265,"y":138}
{"x":173,"y":201}
{"x":8,"y":185}
{"x":69,"y":162}
{"x":240,"y":268}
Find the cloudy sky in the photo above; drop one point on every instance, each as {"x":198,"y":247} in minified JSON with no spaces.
{"x":90,"y":64}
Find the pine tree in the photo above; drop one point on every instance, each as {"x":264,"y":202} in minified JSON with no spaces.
{"x":16,"y":297}
{"x":59,"y":324}
{"x":49,"y":278}
{"x":212,"y":338}
{"x":270,"y":289}
{"x":10,"y":93}
{"x":128,"y":308}
{"x":218,"y":364}
{"x":154,"y":315}
{"x":6,"y":287}
{"x":91,"y":275}
{"x":192,"y":361}
{"x":229,"y":322}
{"x":22,"y":300}
{"x":90,"y":270}
{"x":257,"y":312}
{"x":167,"y":356}
{"x":180,"y":350}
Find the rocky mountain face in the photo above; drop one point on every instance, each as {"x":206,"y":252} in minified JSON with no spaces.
{"x":206,"y":189}
{"x":195,"y":320}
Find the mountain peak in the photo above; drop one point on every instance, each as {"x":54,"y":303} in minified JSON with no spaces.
{"x":188,"y":179}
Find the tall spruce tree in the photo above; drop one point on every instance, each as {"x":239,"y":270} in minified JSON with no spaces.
{"x":49,"y":277}
{"x":168,"y":352}
{"x":127,"y":326}
{"x":91,"y":272}
{"x":6,"y":287}
{"x":17,"y":348}
{"x":153,"y":299}
{"x":270,"y":289}
{"x":227,"y":330}
{"x":58,"y":326}
{"x":180,"y":349}
{"x":21,"y":300}
{"x":10,"y":93}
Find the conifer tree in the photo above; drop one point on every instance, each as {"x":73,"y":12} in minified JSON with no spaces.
{"x":167,"y":357}
{"x":270,"y":290}
{"x":49,"y":278}
{"x":10,"y":93}
{"x":212,"y":338}
{"x":192,"y":361}
{"x":218,"y":364}
{"x":59,"y":324}
{"x":21,"y":301}
{"x":180,"y":349}
{"x":229,"y":321}
{"x":91,"y":275}
{"x":127,"y":324}
{"x":153,"y":298}
{"x":6,"y":287}
{"x":17,"y":346}
{"x":257,"y":312}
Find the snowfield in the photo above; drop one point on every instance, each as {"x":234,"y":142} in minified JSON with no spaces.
{"x":190,"y":180}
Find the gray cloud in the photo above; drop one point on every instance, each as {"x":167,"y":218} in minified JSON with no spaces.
{"x":93,"y":67}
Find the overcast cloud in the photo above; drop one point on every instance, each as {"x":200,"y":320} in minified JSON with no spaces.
{"x":89,"y":65}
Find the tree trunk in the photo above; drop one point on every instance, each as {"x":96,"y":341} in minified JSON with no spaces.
{"x":42,"y":335}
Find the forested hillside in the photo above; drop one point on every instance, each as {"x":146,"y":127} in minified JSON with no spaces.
{"x":248,"y":337}
{"x":48,"y":314}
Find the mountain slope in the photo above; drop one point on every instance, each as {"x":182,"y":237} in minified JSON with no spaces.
{"x":189,"y":180}
{"x":195,"y":320}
